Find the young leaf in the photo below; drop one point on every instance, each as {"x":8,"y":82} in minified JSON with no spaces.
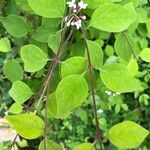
{"x":145,"y":54}
{"x":54,"y":40}
{"x":85,"y":146}
{"x":5,"y":45}
{"x":113,"y":17}
{"x":50,"y":145}
{"x":133,"y":67}
{"x":109,"y":50}
{"x":52,"y":105}
{"x":15,"y":25}
{"x":127,"y":134}
{"x":33,"y":57}
{"x":12,"y":70}
{"x":20,"y":92}
{"x":48,"y":8}
{"x":71,"y":92}
{"x":28,"y":126}
{"x":117,"y":78}
{"x":96,"y":54}
{"x":15,"y":108}
{"x":73,"y":65}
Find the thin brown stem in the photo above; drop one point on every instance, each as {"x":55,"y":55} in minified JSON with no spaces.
{"x":14,"y":141}
{"x":50,"y":73}
{"x":47,"y":87}
{"x":98,"y":133}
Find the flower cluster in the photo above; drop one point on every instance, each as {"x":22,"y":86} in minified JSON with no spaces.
{"x":75,"y":19}
{"x":111,"y":93}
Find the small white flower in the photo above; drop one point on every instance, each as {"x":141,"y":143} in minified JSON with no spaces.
{"x":69,"y":21}
{"x":117,"y":93}
{"x":74,"y":10}
{"x":83,"y":17}
{"x":114,"y":94}
{"x":82,"y":5}
{"x":72,"y":4}
{"x":108,"y":92}
{"x":66,"y":19}
{"x":72,"y":23}
{"x":100,"y":111}
{"x":78,"y":24}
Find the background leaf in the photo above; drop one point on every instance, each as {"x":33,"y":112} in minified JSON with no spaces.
{"x":29,"y":126}
{"x":42,"y":34}
{"x":125,"y":46}
{"x":119,"y":20}
{"x":14,"y":74}
{"x":15,"y":25}
{"x":33,"y":57}
{"x":5,"y":45}
{"x":16,"y":108}
{"x":51,"y":145}
{"x":20,"y":92}
{"x":73,"y":65}
{"x":145,"y":54}
{"x":117,"y":78}
{"x":85,"y":146}
{"x":127,"y":134}
{"x":96,"y":54}
{"x":71,"y":92}
{"x":48,"y":8}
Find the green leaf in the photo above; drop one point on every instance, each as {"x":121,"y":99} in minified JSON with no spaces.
{"x":13,"y":74}
{"x":117,"y":109}
{"x":71,"y":92}
{"x":33,"y":57}
{"x":5,"y":45}
{"x":148,"y":26}
{"x":28,"y":126}
{"x":125,"y":46}
{"x":85,"y":146}
{"x":145,"y":54}
{"x":109,"y":50}
{"x":113,"y":17}
{"x":15,"y":108}
{"x":117,"y":78}
{"x":93,"y":4}
{"x":73,"y":65}
{"x":20,"y":92}
{"x":133,"y":66}
{"x":15,"y":25}
{"x":142,"y":15}
{"x":96,"y":54}
{"x":127,"y":134}
{"x":48,"y":8}
{"x":42,"y":34}
{"x":54,"y":41}
{"x":50,"y":145}
{"x":52,"y":105}
{"x":24,"y":5}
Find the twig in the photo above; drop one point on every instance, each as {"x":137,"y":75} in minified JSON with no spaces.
{"x":52,"y":69}
{"x":98,"y":133}
{"x":14,"y":141}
